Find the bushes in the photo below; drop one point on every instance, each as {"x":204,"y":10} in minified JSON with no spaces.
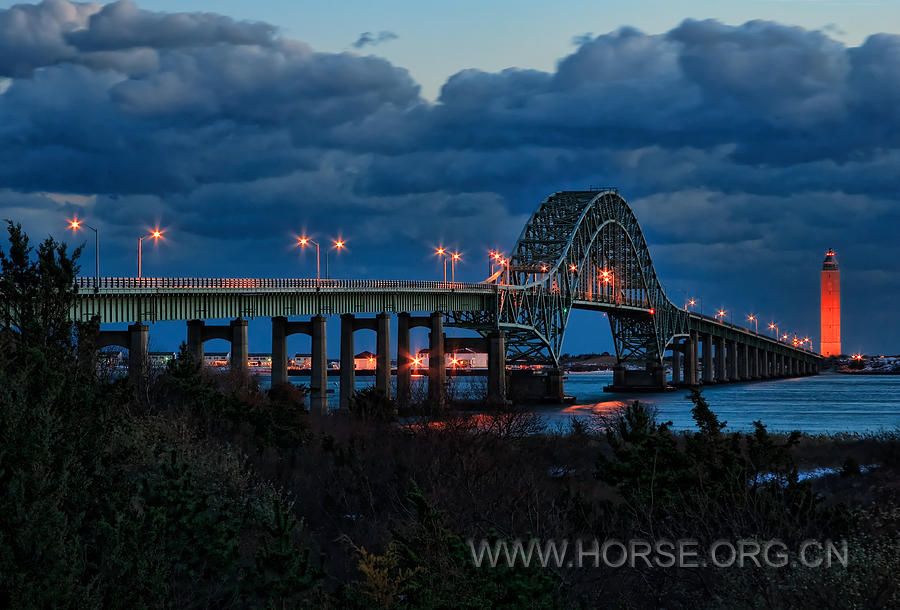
{"x":105,"y":503}
{"x":373,"y":405}
{"x":426,"y":565}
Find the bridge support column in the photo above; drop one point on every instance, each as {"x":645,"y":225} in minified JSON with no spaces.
{"x":318,"y":381}
{"x":348,"y":372}
{"x":732,"y":360}
{"x":279,"y":351}
{"x":721,"y":371}
{"x":138,"y":360}
{"x":690,"y":363}
{"x":754,"y":363}
{"x":437,"y":369}
{"x":404,"y":361}
{"x":383,"y":353}
{"x":239,"y":345}
{"x":780,"y":370}
{"x":768,"y":364}
{"x":676,"y":364}
{"x":496,"y":390}
{"x":707,"y":358}
{"x":195,"y":330}
{"x":744,"y":366}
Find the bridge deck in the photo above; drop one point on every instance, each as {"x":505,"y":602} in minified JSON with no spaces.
{"x":128,"y":299}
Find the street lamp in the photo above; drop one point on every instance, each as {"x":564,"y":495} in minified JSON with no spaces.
{"x":753,"y":318}
{"x":454,"y":258}
{"x":304,"y":241}
{"x":156,"y":234}
{"x":338,"y":244}
{"x":441,"y":252}
{"x":720,"y":315}
{"x":74,"y":225}
{"x":774,"y":327}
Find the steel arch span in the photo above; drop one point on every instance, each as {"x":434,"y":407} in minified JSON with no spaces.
{"x":586,"y":250}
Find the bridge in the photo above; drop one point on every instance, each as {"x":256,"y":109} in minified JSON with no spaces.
{"x":579,"y":250}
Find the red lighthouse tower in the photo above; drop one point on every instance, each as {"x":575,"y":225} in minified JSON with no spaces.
{"x":831,"y":306}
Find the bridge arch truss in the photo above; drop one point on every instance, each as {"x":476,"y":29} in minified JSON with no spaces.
{"x":586,"y":250}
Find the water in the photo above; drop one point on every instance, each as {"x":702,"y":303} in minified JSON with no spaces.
{"x":824,"y":403}
{"x":817,"y":404}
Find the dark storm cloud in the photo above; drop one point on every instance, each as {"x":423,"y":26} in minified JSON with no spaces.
{"x":122,"y":25}
{"x":368,"y":39}
{"x":761,"y":133}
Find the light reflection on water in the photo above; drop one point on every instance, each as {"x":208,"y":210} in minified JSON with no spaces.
{"x":822,"y":403}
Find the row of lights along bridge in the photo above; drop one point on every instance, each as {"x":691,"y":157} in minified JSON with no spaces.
{"x":496,"y":259}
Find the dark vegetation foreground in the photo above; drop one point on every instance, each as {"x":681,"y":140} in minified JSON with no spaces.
{"x":193,"y":490}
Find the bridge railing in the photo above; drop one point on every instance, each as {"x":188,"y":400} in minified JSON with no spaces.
{"x":737,"y":327}
{"x":193,"y":283}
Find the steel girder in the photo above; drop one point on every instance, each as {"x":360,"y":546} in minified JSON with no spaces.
{"x":585,"y":249}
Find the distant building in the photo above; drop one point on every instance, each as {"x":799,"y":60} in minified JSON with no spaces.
{"x":301,"y":361}
{"x":831,"y":306}
{"x":464,"y":358}
{"x":467,"y":359}
{"x":259,"y":361}
{"x":364,"y":361}
{"x":217,"y":359}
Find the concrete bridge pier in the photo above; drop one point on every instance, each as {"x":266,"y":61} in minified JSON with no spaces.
{"x":348,"y":372}
{"x":318,"y":383}
{"x":732,"y":360}
{"x":383,"y":353}
{"x":496,"y":390}
{"x":437,"y":371}
{"x":721,"y":369}
{"x":744,"y":362}
{"x":676,"y":363}
{"x":136,"y":340}
{"x":239,"y":345}
{"x":690,"y":363}
{"x":279,"y":350}
{"x":138,"y":358}
{"x":706,"y":340}
{"x":195,"y":330}
{"x":404,"y":361}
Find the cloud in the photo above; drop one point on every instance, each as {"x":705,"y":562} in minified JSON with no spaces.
{"x":759,"y":142}
{"x":368,"y":39}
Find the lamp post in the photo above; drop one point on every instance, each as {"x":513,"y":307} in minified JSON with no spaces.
{"x":74,"y":225}
{"x":338,"y":244}
{"x":304,"y":241}
{"x":774,"y":327}
{"x":720,"y":315}
{"x":753,"y":318}
{"x":441,"y":252}
{"x":155,"y":235}
{"x":454,"y":258}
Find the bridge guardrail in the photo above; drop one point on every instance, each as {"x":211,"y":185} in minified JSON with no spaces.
{"x":192,"y":283}
{"x":737,"y":327}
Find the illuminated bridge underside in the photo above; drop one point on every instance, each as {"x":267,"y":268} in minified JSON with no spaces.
{"x":159,"y":299}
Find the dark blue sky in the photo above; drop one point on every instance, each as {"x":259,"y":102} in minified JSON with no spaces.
{"x":746,"y":151}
